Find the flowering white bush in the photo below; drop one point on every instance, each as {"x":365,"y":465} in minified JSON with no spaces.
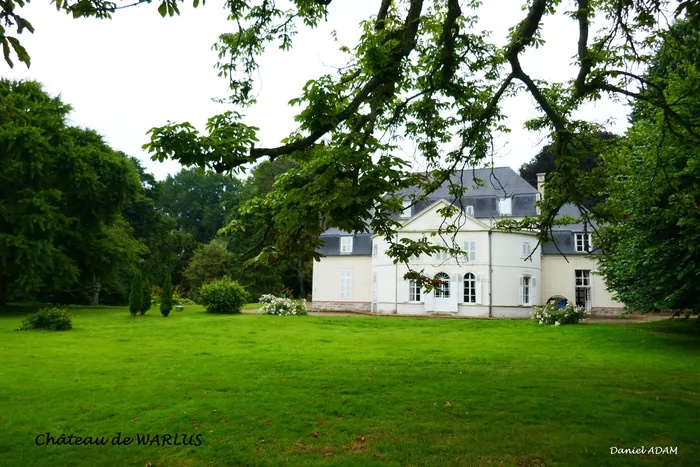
{"x":552,"y":314}
{"x":272,"y":305}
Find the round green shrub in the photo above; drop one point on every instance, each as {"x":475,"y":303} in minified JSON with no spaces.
{"x":223,"y":296}
{"x":54,"y":319}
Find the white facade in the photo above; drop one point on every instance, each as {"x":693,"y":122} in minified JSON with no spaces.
{"x":496,"y":279}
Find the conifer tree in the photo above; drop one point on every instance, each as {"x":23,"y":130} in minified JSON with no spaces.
{"x":166,"y":297}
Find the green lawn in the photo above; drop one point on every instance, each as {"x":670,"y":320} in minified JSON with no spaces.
{"x":341,"y":391}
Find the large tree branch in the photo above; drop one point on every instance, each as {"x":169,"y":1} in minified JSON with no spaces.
{"x":385,"y":80}
{"x":381,"y":16}
{"x":523,"y":37}
{"x":583,"y":15}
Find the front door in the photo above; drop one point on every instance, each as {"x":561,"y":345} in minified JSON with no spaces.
{"x":445,"y":295}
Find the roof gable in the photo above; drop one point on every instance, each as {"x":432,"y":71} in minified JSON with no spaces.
{"x":418,"y":222}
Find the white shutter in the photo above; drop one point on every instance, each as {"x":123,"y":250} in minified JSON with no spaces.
{"x":469,"y":250}
{"x":520,"y":290}
{"x":374,"y":286}
{"x":533,"y":291}
{"x":345,"y":286}
{"x":478,"y":289}
{"x":428,"y":300}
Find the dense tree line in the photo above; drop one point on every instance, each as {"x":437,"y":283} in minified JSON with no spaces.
{"x":78,"y":219}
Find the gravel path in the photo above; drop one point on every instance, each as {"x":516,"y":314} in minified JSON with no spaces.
{"x":634,"y":318}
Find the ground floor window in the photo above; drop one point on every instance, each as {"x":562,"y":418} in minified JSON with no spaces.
{"x":413,"y":291}
{"x":583,"y":288}
{"x":469,"y":288}
{"x":443,"y":289}
{"x":528,"y":290}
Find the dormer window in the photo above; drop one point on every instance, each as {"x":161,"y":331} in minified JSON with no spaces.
{"x":406,"y":213}
{"x":345,"y":245}
{"x":505,"y":206}
{"x":470,"y":210}
{"x":584,"y":242}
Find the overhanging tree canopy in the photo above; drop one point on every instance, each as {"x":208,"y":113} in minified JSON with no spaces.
{"x":421,"y":70}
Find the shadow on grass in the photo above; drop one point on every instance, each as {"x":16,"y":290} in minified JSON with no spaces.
{"x":689,"y":327}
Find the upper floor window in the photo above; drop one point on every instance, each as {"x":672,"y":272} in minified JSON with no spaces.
{"x":375,"y":250}
{"x":527,"y":250}
{"x":505,"y":206}
{"x":346,"y":245}
{"x":584,"y":242}
{"x":469,"y":250}
{"x":413,"y":291}
{"x":443,"y":255}
{"x":470,"y":210}
{"x":406,"y":213}
{"x":443,"y":289}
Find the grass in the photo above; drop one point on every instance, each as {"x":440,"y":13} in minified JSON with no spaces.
{"x":348,"y":391}
{"x":251,"y":306}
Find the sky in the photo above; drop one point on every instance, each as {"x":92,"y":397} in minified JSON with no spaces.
{"x":126,"y":75}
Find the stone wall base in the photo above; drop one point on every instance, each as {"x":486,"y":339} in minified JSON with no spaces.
{"x":341,"y":306}
{"x":606,"y":312}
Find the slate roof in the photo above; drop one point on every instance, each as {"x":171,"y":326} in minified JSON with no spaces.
{"x":496,"y":182}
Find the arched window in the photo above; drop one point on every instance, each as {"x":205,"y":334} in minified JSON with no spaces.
{"x":469,"y":288}
{"x":443,"y":290}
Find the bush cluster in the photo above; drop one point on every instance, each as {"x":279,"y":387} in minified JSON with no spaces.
{"x":155,"y":300}
{"x":282,"y":306}
{"x":54,"y":319}
{"x":223,"y":296}
{"x":552,"y":314}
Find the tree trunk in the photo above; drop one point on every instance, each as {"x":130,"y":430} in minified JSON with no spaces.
{"x":300,"y":269}
{"x":3,"y":290}
{"x":96,"y":287}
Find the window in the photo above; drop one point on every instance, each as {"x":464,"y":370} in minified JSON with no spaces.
{"x":528,"y":290}
{"x":469,"y":288}
{"x":527,"y":250}
{"x":584,"y":242}
{"x":345,"y":289}
{"x":443,"y":290}
{"x":583,"y":288}
{"x":443,"y":255}
{"x":406,"y":213}
{"x":470,"y":250}
{"x":375,"y":250}
{"x":470,"y":210}
{"x":583,"y":278}
{"x":505,"y":206}
{"x":413,"y":291}
{"x":346,"y":245}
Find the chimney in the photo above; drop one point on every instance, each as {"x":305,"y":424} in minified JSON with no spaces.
{"x":540,"y":188}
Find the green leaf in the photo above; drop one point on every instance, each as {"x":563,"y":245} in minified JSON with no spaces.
{"x":6,"y":52}
{"x":20,"y":51}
